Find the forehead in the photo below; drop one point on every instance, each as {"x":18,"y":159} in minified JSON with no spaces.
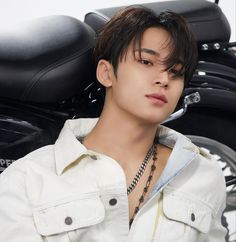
{"x":156,"y":39}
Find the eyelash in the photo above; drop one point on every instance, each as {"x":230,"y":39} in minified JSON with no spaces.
{"x":175,"y":73}
{"x":145,"y":62}
{"x":172,"y":71}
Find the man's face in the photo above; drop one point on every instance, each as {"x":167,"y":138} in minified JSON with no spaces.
{"x":142,"y":88}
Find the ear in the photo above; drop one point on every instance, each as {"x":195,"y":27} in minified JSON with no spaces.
{"x":105,"y":73}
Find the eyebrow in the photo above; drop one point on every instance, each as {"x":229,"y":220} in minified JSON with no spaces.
{"x":148,"y":51}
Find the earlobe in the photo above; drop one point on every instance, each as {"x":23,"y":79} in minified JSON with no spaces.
{"x":104,"y":73}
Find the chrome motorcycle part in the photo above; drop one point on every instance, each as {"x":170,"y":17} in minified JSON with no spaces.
{"x":204,"y":47}
{"x":187,"y":100}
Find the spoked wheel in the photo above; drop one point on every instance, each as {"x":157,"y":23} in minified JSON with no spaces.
{"x":227,"y":160}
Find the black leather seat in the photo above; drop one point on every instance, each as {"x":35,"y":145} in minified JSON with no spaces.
{"x":206,"y":19}
{"x":45,"y":60}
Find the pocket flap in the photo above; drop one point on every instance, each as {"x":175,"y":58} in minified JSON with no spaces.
{"x":68,"y":215}
{"x":191,"y":212}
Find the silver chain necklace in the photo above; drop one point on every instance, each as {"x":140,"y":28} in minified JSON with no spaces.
{"x":141,"y":170}
{"x":152,"y":151}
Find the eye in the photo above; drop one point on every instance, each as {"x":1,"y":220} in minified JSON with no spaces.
{"x":175,"y":73}
{"x":145,"y":62}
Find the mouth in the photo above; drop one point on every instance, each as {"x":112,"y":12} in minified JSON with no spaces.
{"x":157,"y":98}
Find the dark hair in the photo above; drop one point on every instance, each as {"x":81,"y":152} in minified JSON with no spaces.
{"x":128,"y":25}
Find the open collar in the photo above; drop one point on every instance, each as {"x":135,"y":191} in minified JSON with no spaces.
{"x":68,"y":148}
{"x":183,"y":153}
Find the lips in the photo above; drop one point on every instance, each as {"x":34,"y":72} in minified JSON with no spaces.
{"x":157,"y":98}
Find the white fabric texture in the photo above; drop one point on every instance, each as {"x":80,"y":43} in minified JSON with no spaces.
{"x":62,"y":193}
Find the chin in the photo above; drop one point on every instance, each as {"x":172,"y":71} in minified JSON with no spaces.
{"x":156,"y":118}
{"x":153,"y":120}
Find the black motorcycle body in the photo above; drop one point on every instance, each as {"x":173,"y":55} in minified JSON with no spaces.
{"x":44,"y":67}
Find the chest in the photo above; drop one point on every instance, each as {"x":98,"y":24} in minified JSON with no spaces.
{"x":77,"y":214}
{"x":147,"y":182}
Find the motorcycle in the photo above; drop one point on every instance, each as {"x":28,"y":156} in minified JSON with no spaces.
{"x":47,"y":75}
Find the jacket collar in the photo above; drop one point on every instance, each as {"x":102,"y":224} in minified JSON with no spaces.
{"x":68,"y":148}
{"x":183,"y":153}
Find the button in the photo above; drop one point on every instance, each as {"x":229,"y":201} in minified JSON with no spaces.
{"x":94,"y":157}
{"x":68,"y":220}
{"x":193,"y":217}
{"x":113,"y":202}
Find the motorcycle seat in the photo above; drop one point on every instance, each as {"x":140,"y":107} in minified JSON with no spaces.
{"x":206,"y":20}
{"x":46,"y":59}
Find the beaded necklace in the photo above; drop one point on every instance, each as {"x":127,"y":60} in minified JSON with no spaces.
{"x":141,"y":170}
{"x":152,"y":152}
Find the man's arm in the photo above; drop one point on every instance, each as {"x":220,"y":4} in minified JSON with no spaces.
{"x":217,"y":231}
{"x":16,"y":220}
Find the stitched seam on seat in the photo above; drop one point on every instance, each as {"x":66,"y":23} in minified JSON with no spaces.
{"x":45,"y":70}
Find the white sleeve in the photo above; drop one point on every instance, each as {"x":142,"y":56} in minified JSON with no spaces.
{"x":217,"y":231}
{"x":16,"y":220}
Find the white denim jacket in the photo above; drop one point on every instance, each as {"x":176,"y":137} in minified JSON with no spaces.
{"x":66,"y":193}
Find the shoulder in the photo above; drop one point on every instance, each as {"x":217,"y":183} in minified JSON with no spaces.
{"x":204,"y":169}
{"x":200,"y":161}
{"x":202,"y":177}
{"x":202,"y":158}
{"x":202,"y":180}
{"x":43,"y":157}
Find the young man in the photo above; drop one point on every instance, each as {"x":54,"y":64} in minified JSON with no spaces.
{"x":122,"y":177}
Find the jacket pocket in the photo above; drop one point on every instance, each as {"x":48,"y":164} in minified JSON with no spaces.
{"x":192,"y":212}
{"x":70,"y":214}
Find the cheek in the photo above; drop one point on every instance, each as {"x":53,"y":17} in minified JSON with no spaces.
{"x":176,"y":92}
{"x":128,"y":95}
{"x":178,"y":88}
{"x":128,"y":85}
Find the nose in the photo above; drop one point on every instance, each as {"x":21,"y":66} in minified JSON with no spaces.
{"x":162,"y":79}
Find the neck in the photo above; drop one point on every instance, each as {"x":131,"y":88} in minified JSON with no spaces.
{"x":123,"y":138}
